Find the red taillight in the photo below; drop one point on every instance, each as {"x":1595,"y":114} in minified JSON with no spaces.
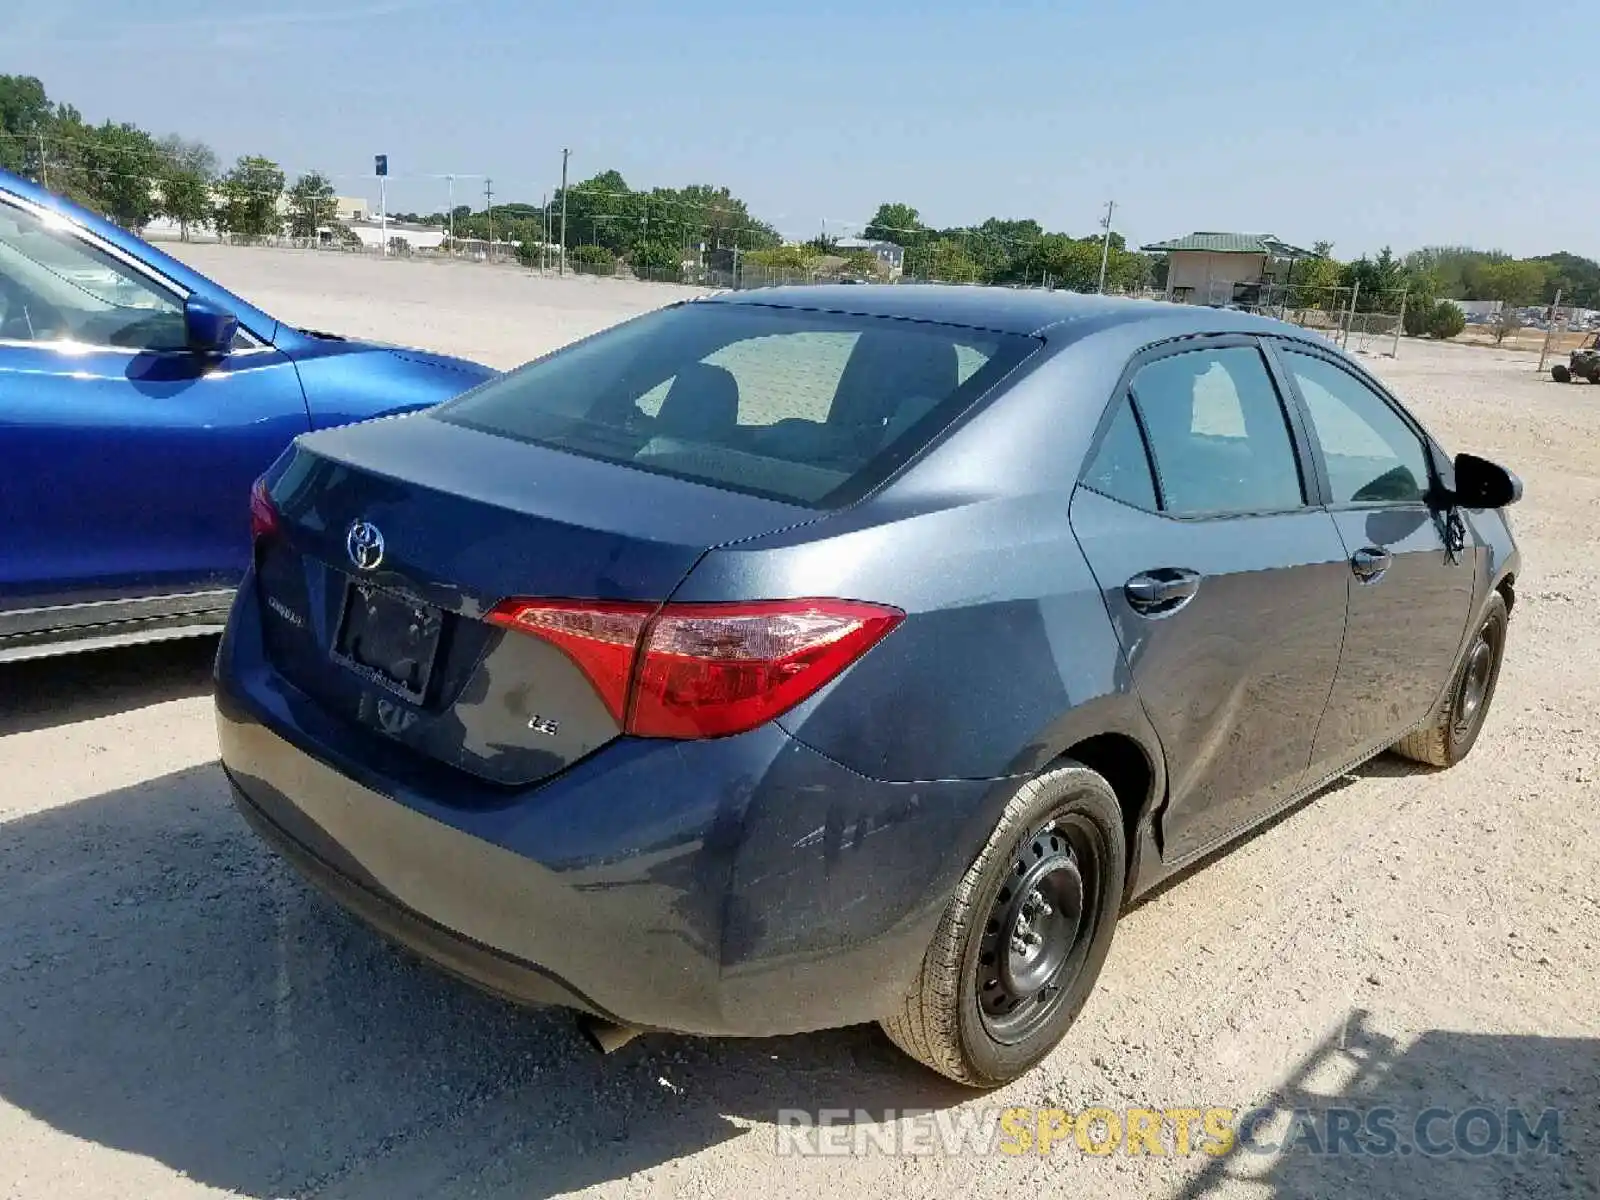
{"x":703,"y":670}
{"x":263,"y":513}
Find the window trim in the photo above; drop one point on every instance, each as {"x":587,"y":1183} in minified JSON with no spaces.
{"x":69,"y":227}
{"x":1278,"y":349}
{"x":1312,"y":484}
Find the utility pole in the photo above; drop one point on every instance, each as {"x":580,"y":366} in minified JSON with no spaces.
{"x":1105,"y":246}
{"x":561,"y":268}
{"x":488,"y":204}
{"x":44,"y":164}
{"x":452,"y":180}
{"x":544,"y":241}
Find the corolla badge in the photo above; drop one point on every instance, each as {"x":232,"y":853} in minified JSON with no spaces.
{"x":364,"y":544}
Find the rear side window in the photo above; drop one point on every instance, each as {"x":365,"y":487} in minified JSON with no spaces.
{"x":1121,"y":467}
{"x":807,"y":407}
{"x":1218,"y":433}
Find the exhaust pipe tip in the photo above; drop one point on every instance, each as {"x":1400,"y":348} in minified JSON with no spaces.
{"x":605,"y":1036}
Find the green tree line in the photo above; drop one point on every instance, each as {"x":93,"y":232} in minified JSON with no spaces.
{"x":132,"y":177}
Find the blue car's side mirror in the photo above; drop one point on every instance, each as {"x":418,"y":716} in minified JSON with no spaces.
{"x":208,"y":328}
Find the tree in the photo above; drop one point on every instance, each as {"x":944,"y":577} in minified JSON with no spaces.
{"x":121,"y":165}
{"x":1315,"y":282}
{"x":1575,"y":277}
{"x":1071,"y":263}
{"x":601,"y":210}
{"x":947,"y":261}
{"x":189,"y":172}
{"x":783,"y":258}
{"x":862,"y":262}
{"x":1507,"y":321}
{"x":25,"y":116}
{"x":1001,"y":247}
{"x":589,"y":255}
{"x":1376,"y":282}
{"x":1446,"y":320}
{"x":1421,"y":300}
{"x":656,"y":259}
{"x":1512,"y":282}
{"x":311,"y":205}
{"x":897,"y":223}
{"x":250,"y":195}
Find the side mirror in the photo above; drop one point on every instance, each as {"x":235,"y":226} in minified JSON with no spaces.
{"x":208,"y":329}
{"x":1484,"y":484}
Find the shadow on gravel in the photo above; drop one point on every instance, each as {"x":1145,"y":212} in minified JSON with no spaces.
{"x":1385,"y":766}
{"x":42,"y":693}
{"x":1461,"y":1115}
{"x":169,"y":989}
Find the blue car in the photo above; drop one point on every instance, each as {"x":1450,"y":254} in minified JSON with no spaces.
{"x":138,"y":403}
{"x":815,"y":656}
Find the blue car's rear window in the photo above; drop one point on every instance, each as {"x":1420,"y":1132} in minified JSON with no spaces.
{"x":809,"y":407}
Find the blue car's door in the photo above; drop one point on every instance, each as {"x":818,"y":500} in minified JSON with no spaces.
{"x":125,"y":460}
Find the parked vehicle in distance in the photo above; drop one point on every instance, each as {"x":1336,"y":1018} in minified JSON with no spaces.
{"x":1582,"y":363}
{"x":806,"y":657}
{"x":138,"y":403}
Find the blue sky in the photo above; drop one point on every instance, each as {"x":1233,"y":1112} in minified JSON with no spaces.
{"x":1360,"y":122}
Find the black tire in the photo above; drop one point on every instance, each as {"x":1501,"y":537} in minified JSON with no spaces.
{"x":1063,"y":824}
{"x":1561,"y":373}
{"x":1450,"y":733}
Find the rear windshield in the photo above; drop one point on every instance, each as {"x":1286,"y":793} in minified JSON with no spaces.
{"x":807,"y":407}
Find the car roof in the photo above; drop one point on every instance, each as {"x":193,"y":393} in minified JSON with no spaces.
{"x":1028,"y":311}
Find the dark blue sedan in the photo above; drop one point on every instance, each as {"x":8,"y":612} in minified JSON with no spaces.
{"x":800,"y":658}
{"x":138,"y":402}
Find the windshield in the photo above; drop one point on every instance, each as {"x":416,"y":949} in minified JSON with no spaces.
{"x":808,"y":407}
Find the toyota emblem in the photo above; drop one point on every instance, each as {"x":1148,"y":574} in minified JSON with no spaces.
{"x":364,"y":544}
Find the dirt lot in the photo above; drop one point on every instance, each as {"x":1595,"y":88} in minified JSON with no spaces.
{"x":179,"y":1017}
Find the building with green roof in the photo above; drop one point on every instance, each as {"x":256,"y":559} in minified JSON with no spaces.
{"x":1215,"y":268}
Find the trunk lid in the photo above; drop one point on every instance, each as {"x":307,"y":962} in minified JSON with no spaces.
{"x":400,"y":647}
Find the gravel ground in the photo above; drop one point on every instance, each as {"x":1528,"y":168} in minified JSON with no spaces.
{"x":180,"y":1017}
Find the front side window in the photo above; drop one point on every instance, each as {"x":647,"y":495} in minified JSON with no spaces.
{"x":1372,"y":455}
{"x":808,"y":407}
{"x":1218,"y":433}
{"x":55,"y":287}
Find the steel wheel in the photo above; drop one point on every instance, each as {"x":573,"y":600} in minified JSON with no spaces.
{"x":1477,"y":677}
{"x":1037,"y":932}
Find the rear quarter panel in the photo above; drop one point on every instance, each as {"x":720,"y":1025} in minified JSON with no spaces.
{"x":1006,"y":654}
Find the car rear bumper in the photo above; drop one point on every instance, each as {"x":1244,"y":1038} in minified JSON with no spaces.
{"x":743,"y":885}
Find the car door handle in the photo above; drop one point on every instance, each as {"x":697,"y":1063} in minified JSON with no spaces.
{"x":1369,"y":563}
{"x":1162,"y":589}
